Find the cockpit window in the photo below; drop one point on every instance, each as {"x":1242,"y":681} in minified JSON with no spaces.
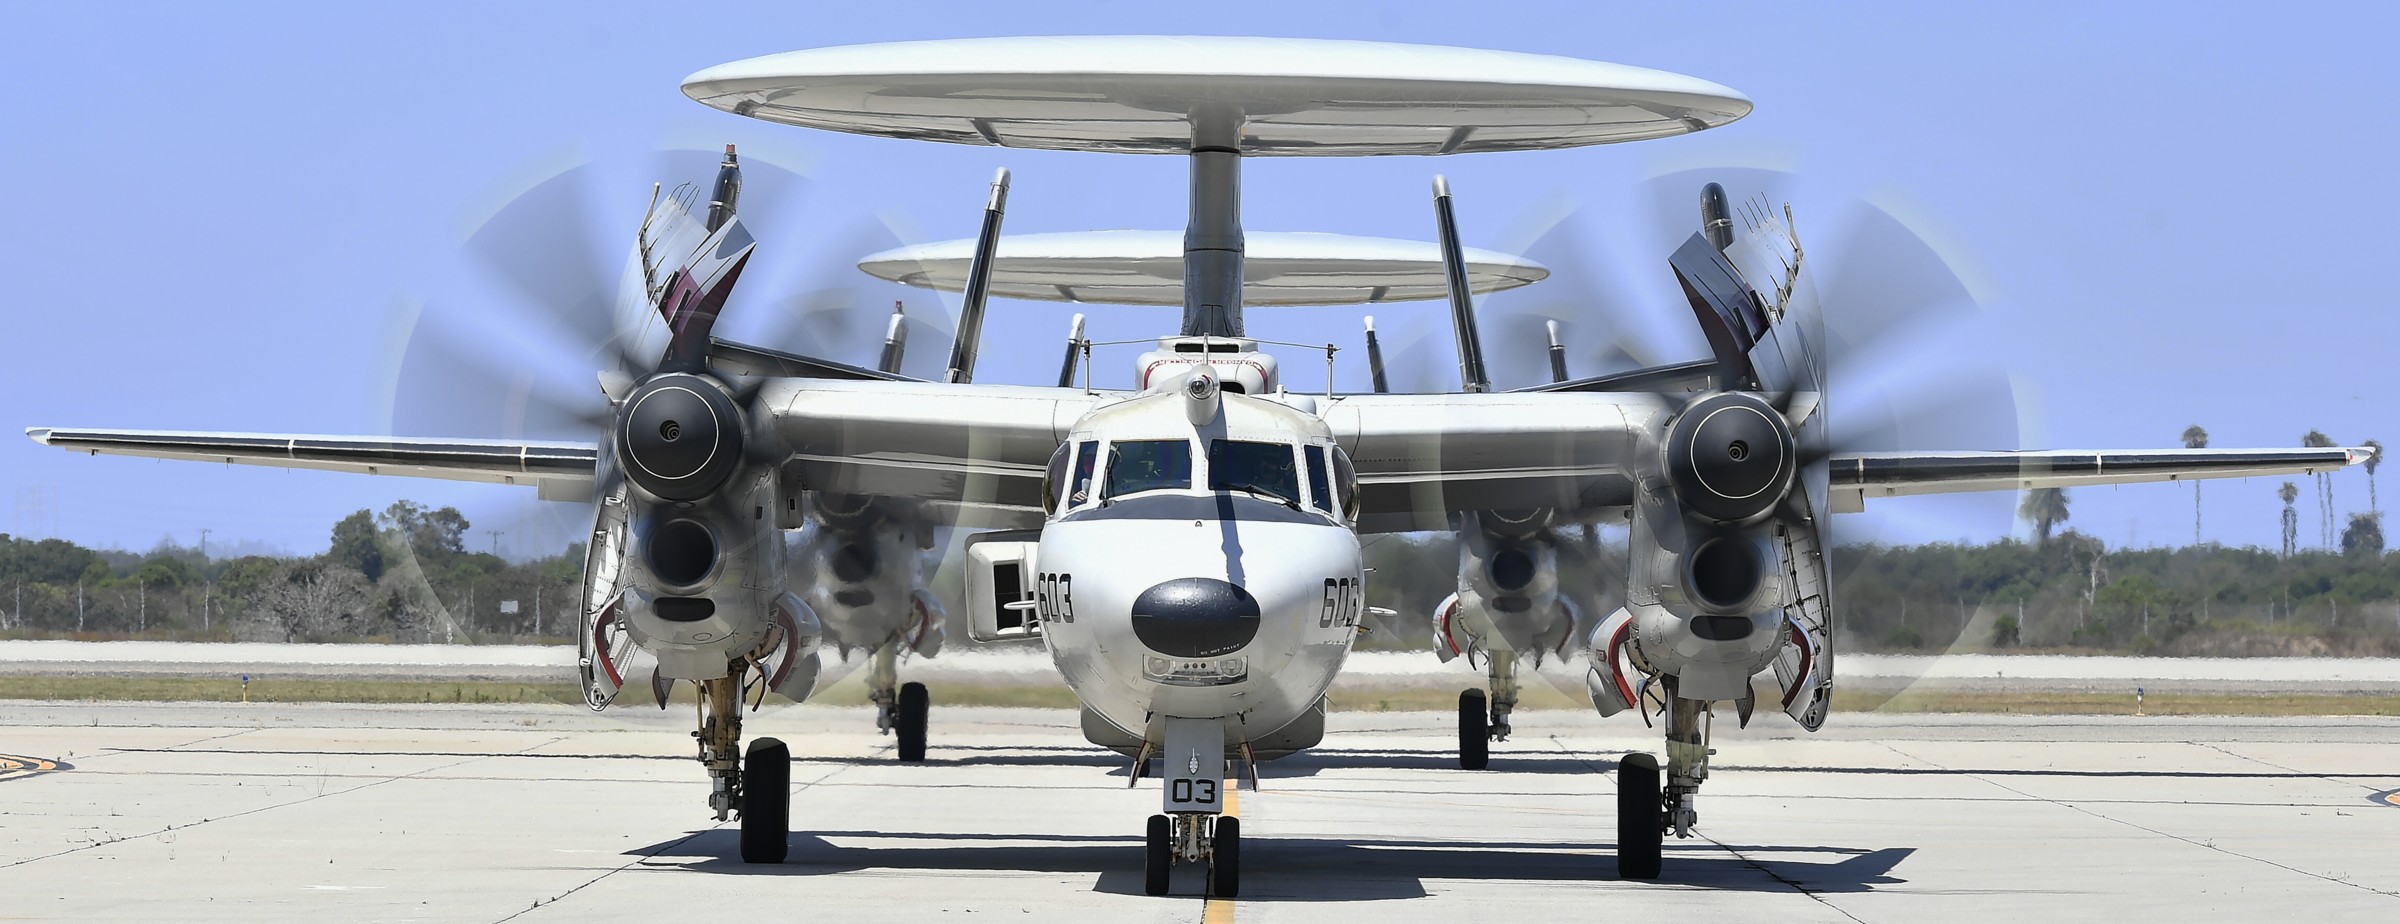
{"x":1320,"y":492}
{"x":1055,"y":475}
{"x":1345,"y":480}
{"x":1135,"y":466}
{"x":1055,"y":485}
{"x":1087,"y":456}
{"x":1264,"y":468}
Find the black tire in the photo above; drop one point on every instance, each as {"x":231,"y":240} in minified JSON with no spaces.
{"x":1474,"y":731}
{"x":1157,"y":856}
{"x":909,"y":725}
{"x":1225,"y":859}
{"x":766,"y":802}
{"x":1641,"y":822}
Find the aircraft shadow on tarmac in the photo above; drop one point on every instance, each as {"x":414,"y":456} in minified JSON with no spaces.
{"x":1304,"y":764}
{"x":1298,"y":869}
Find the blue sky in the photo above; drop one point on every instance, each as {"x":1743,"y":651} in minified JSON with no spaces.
{"x":226,"y":220}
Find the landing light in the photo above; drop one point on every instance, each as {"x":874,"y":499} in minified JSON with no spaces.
{"x":1205,"y":673}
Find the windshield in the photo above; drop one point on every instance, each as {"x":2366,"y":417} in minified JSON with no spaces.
{"x":1135,"y":466}
{"x":1234,"y":465}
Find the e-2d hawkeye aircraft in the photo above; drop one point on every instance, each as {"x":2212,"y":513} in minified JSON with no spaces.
{"x":1188,"y":551}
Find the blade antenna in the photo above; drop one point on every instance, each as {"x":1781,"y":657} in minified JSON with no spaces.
{"x":1558,"y":354}
{"x":1066,"y":370}
{"x":979,"y":285}
{"x":895,"y":340}
{"x":1375,"y":359}
{"x":1472,"y":377}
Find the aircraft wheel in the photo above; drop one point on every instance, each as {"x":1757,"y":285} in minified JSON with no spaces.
{"x":766,"y":802}
{"x":1474,"y":731}
{"x":1225,"y":859}
{"x":1157,"y":856}
{"x":1640,"y":821}
{"x":909,"y":725}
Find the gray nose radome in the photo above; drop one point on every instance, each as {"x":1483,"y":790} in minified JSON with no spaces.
{"x":1195,"y":618}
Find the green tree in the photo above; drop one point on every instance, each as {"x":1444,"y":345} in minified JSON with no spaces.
{"x":435,"y":536}
{"x":2045,"y":508}
{"x":2363,"y":538}
{"x":2195,"y":438}
{"x":358,"y":545}
{"x":2006,"y":633}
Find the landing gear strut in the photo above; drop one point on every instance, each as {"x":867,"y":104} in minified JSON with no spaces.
{"x":760,"y":789}
{"x":1645,"y":810}
{"x":900,"y":712}
{"x":1194,"y":829}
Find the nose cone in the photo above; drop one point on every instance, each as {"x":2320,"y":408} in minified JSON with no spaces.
{"x":1195,"y":618}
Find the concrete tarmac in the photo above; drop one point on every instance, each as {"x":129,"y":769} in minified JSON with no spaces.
{"x":216,"y":812}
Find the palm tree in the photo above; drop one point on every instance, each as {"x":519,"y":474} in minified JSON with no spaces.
{"x":2316,"y":439}
{"x":2372,"y":461}
{"x":2045,"y":508}
{"x":2364,"y":535}
{"x":2290,"y":493}
{"x":2195,"y":438}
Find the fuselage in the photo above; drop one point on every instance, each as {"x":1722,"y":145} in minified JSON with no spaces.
{"x":1198,"y":563}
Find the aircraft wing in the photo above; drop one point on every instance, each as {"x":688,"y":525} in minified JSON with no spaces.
{"x":1422,"y":458}
{"x":562,"y":470}
{"x":1857,"y":477}
{"x":975,"y":448}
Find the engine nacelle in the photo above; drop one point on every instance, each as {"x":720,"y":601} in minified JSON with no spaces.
{"x":679,"y":436}
{"x":1730,"y":458}
{"x":1705,"y":601}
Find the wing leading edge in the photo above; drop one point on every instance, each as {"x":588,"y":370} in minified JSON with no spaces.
{"x":561,"y":470}
{"x":1899,"y":474}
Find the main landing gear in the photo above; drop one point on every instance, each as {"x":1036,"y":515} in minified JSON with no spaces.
{"x":1645,"y":811}
{"x":1478,"y":725}
{"x":759,"y":789}
{"x":1194,"y":828}
{"x":900,"y":711}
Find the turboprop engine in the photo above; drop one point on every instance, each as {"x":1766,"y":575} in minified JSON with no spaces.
{"x":679,"y":562}
{"x":863,"y":557}
{"x":1508,"y":596}
{"x":1727,"y":570}
{"x":1706,"y":593}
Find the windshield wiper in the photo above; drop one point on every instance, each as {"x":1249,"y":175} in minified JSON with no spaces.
{"x":1256,"y":491}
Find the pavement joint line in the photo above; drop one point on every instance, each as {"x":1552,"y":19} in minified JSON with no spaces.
{"x":2295,"y":772}
{"x":264,"y":808}
{"x":1721,"y":845}
{"x":2205,"y":845}
{"x":629,"y":864}
{"x":798,"y":786}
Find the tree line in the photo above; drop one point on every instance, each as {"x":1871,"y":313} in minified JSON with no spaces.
{"x":402,"y":575}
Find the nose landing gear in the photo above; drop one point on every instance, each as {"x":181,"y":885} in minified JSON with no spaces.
{"x":1198,"y":825}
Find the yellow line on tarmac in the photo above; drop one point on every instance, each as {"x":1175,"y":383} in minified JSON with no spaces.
{"x":1220,"y":910}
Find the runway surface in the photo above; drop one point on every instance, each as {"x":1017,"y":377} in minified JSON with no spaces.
{"x":211,"y":812}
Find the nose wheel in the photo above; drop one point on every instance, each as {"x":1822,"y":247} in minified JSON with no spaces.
{"x":1212,"y":839}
